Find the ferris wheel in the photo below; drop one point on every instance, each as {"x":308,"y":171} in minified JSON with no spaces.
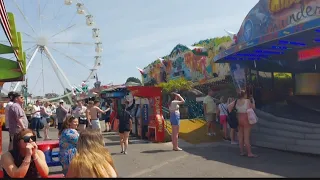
{"x":60,"y":38}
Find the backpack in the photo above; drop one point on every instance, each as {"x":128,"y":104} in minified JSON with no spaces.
{"x":232,"y":117}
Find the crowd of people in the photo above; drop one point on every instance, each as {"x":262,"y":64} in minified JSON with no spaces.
{"x":82,"y":151}
{"x":221,"y":110}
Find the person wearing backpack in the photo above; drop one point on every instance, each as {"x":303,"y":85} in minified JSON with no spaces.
{"x":237,"y":116}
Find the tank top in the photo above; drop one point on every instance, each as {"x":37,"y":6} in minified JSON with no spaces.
{"x":18,"y":160}
{"x":242,"y":108}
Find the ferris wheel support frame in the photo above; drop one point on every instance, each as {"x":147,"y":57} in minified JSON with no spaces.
{"x":28,"y":65}
{"x":58,"y":70}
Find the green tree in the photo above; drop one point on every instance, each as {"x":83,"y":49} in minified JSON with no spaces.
{"x":133,"y":79}
{"x":174,"y":85}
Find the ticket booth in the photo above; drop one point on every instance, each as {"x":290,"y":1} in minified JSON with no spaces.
{"x":151,"y":122}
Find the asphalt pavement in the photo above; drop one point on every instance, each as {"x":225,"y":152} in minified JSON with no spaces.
{"x":218,"y":159}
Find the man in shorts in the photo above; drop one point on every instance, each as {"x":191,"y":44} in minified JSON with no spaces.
{"x":210,"y":108}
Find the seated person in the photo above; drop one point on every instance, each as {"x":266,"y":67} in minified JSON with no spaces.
{"x":24,"y":160}
{"x":68,"y":138}
{"x":92,"y":159}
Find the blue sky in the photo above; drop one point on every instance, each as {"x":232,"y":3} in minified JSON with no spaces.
{"x":133,"y":32}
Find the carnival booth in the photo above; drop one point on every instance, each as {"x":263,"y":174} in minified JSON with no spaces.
{"x":144,"y":104}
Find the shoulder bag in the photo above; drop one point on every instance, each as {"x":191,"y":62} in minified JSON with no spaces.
{"x":232,"y":117}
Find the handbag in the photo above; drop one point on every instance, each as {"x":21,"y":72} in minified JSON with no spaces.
{"x":232,"y":117}
{"x":252,"y":117}
{"x":82,"y":120}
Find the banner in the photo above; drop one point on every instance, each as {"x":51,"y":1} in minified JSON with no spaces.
{"x":159,"y":121}
{"x":145,"y":114}
{"x":238,"y":76}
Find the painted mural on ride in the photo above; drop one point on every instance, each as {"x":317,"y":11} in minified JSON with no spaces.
{"x":194,"y":63}
{"x":269,"y":16}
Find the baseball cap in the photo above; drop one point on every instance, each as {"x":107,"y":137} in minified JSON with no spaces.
{"x":61,"y":101}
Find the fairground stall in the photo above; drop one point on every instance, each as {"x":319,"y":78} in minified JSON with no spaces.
{"x":276,"y":59}
{"x":144,"y":103}
{"x":10,"y":70}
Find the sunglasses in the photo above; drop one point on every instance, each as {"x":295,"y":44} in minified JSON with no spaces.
{"x":26,"y":139}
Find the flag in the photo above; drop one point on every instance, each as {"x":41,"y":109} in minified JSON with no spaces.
{"x":232,"y":35}
{"x":202,"y":51}
{"x":144,"y":75}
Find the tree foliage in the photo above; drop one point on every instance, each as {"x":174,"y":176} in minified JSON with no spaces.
{"x":213,"y":41}
{"x":152,"y":82}
{"x":174,"y":85}
{"x":133,"y":79}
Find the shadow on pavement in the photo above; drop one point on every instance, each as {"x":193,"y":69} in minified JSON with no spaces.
{"x":155,"y":151}
{"x":274,"y":162}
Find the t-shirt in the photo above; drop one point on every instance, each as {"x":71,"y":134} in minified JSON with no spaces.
{"x":46,"y":112}
{"x":223,"y":109}
{"x":80,"y":112}
{"x":174,"y":106}
{"x":210,"y":104}
{"x":7,"y":113}
{"x":15,"y":113}
{"x":61,"y":114}
{"x":124,"y":118}
{"x":35,"y":109}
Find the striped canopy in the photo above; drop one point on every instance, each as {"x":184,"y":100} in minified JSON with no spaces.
{"x":5,"y":22}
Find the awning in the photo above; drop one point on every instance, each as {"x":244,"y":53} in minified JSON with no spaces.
{"x":5,"y":23}
{"x":11,"y":70}
{"x":275,"y":31}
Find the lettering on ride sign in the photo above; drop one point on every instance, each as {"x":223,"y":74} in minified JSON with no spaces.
{"x":304,"y":12}
{"x":278,"y":5}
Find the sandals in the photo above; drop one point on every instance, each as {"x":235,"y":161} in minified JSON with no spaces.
{"x":253,"y":156}
{"x":178,"y":149}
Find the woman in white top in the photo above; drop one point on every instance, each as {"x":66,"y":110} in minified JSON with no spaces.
{"x":80,"y":113}
{"x":176,"y":99}
{"x":244,"y":128}
{"x":46,"y":113}
{"x":223,"y":114}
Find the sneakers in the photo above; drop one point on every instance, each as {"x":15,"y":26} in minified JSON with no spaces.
{"x":225,"y":139}
{"x":211,"y":134}
{"x":123,"y":152}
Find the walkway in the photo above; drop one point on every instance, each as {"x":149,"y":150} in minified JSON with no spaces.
{"x":202,"y":160}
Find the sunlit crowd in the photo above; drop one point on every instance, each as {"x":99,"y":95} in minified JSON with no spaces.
{"x":82,"y":151}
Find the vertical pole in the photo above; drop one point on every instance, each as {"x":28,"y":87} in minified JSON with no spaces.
{"x":28,"y":65}
{"x":57,"y":69}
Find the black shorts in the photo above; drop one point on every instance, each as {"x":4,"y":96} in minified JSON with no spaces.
{"x":83,"y":121}
{"x":125,"y":128}
{"x":59,"y":126}
{"x":107,"y":119}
